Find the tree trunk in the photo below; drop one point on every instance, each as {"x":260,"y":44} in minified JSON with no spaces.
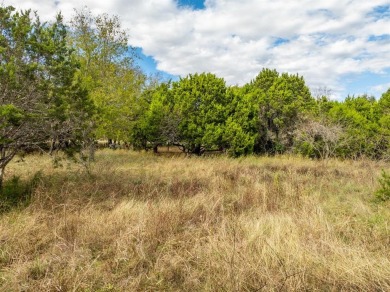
{"x":91,"y":156}
{"x":197,"y":150}
{"x":1,"y":176}
{"x":52,"y":145}
{"x":4,"y":160}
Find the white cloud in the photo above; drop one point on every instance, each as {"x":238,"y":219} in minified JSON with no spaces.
{"x":326,"y":39}
{"x":381,"y":88}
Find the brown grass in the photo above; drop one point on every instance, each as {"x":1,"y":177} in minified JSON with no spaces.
{"x":149,"y":223}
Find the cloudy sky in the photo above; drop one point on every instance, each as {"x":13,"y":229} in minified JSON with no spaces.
{"x":343,"y":45}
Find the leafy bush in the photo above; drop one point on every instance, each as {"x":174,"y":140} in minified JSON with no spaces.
{"x":383,"y":193}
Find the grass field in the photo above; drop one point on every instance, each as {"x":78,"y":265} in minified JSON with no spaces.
{"x":139,"y":222}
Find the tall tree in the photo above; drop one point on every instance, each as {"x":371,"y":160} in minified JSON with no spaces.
{"x":200,"y":101}
{"x":41,"y":98}
{"x":280,"y":99}
{"x":157,"y":124}
{"x":108,"y":71}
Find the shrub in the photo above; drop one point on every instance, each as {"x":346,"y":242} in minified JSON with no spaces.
{"x":383,"y":193}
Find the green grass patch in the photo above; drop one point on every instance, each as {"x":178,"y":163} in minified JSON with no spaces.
{"x":17,"y":192}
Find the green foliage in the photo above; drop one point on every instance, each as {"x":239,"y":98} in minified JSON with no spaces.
{"x":384,"y":103}
{"x":201,"y":103}
{"x":383,"y":193}
{"x":10,"y":115}
{"x":239,"y":142}
{"x":278,"y":101}
{"x":241,"y":125}
{"x":108,"y":71}
{"x":363,"y":135}
{"x":307,"y":149}
{"x":16,"y":192}
{"x":156,"y":123}
{"x":190,"y":113}
{"x":42,"y":97}
{"x":274,"y":113}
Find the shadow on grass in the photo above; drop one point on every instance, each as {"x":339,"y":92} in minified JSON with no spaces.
{"x":16,"y":193}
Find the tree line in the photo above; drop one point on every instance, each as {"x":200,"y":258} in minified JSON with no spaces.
{"x":274,"y":113}
{"x":65,"y":85}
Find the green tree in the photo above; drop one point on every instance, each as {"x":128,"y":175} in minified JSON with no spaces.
{"x":280,"y":100}
{"x":108,"y":71}
{"x":362,"y":135}
{"x":158,"y":123}
{"x":241,"y":128}
{"x":201,"y":103}
{"x":41,"y":98}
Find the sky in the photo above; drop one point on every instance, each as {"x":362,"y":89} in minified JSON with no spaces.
{"x":341,"y":45}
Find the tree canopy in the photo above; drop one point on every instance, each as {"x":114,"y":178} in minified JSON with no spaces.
{"x":108,"y":71}
{"x":42,"y":97}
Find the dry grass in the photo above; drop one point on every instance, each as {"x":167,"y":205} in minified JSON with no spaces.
{"x":148,"y":223}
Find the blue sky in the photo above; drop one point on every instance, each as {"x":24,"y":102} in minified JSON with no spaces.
{"x":343,"y":45}
{"x":149,"y":65}
{"x":195,"y":4}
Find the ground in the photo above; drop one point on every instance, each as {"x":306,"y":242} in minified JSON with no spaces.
{"x":141,"y":222}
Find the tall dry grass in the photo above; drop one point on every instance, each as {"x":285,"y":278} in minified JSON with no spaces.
{"x":140,"y":222}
